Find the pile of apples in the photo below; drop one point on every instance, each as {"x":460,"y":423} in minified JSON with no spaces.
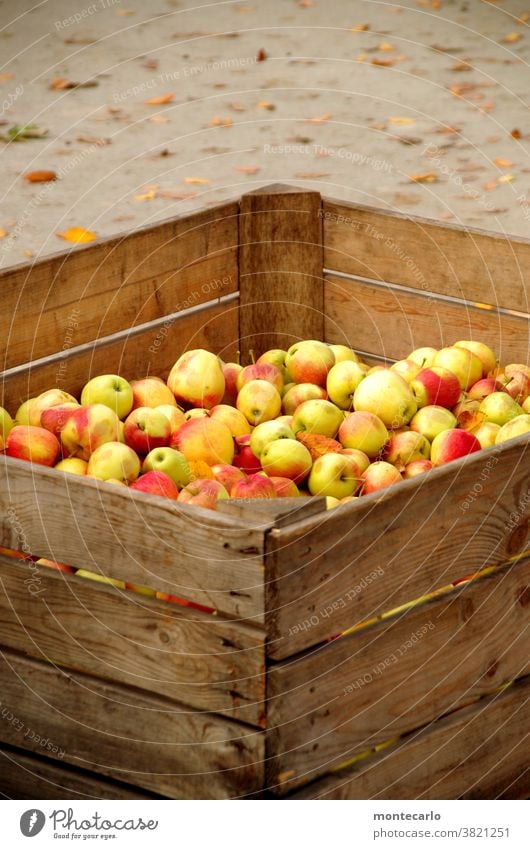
{"x":312,"y":420}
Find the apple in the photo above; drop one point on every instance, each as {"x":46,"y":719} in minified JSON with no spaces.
{"x":286,"y":458}
{"x":121,"y":432}
{"x":54,"y":564}
{"x":102,"y":579}
{"x":332,"y":502}
{"x":170,"y":461}
{"x":407,"y":369}
{"x":343,"y":379}
{"x":499,"y":407}
{"x":259,"y":401}
{"x":227,"y":475}
{"x":518,"y":386}
{"x":140,"y":589}
{"x":254,"y":486}
{"x":230,"y":373}
{"x":203,"y":493}
{"x":245,"y":458}
{"x":146,"y":428}
{"x":513,"y":368}
{"x":424,"y":357}
{"x":318,"y":416}
{"x":526,"y":405}
{"x":403,"y":448}
{"x":196,"y":413}
{"x":72,"y":465}
{"x":336,"y":475}
{"x":232,"y":418}
{"x":50,"y":398}
{"x":363,"y":431}
{"x":260,"y":371}
{"x":23,"y":413}
{"x":362,"y":460}
{"x":451,"y":444}
{"x":116,"y":482}
{"x":431,"y":420}
{"x":483,"y":352}
{"x":276,"y":357}
{"x":343,"y":354}
{"x":207,"y":439}
{"x":114,"y":460}
{"x":467,"y":413}
{"x":151,"y":392}
{"x":464,"y":364}
{"x":299,"y":393}
{"x":6,"y":424}
{"x":173,"y":414}
{"x":55,"y":418}
{"x":417,"y":467}
{"x":197,"y":379}
{"x":87,"y":428}
{"x":379,"y":475}
{"x":36,"y":444}
{"x":515,"y":427}
{"x":436,"y":385}
{"x":309,"y":361}
{"x":486,"y":433}
{"x":286,"y":420}
{"x":285,"y":488}
{"x":387,"y":395}
{"x":267,"y":432}
{"x":156,"y":483}
{"x":484,"y":387}
{"x":109,"y":389}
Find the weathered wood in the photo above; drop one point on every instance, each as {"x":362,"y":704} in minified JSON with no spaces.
{"x":280,"y":512}
{"x":151,"y":351}
{"x":392,"y":322}
{"x":280,"y":269}
{"x":195,"y":658}
{"x":85,"y":293}
{"x":24,"y":776}
{"x":179,"y":549}
{"x":126,"y":734}
{"x":478,"y":752}
{"x":329,"y":573}
{"x":397,"y":675}
{"x":471,"y":264}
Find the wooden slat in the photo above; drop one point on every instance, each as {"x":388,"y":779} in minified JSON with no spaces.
{"x":280,"y":268}
{"x":150,"y":351}
{"x":24,"y":776}
{"x":86,"y":293}
{"x":392,"y":322}
{"x":201,"y":660}
{"x":398,"y":675}
{"x":177,"y":548}
{"x":472,"y":264}
{"x":478,"y":752}
{"x":328,"y":574}
{"x":126,"y":734}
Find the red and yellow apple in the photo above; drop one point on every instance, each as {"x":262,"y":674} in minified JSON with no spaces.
{"x":451,"y":445}
{"x":387,"y":395}
{"x":205,"y":439}
{"x":114,"y":460}
{"x":36,"y":444}
{"x":156,"y":483}
{"x":151,"y":392}
{"x":286,"y":458}
{"x":363,"y":431}
{"x":197,"y":379}
{"x":87,"y":428}
{"x":342,"y":381}
{"x":309,"y":361}
{"x":259,"y":401}
{"x":146,"y":428}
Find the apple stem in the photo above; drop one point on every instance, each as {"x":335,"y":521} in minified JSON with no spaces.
{"x":252,"y":357}
{"x":238,"y":357}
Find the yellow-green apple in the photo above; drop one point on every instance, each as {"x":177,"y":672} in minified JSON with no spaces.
{"x":499,"y":407}
{"x":451,"y":444}
{"x":276,"y":357}
{"x":332,"y":502}
{"x":204,"y":439}
{"x":386,"y":395}
{"x":436,"y":385}
{"x":173,"y":414}
{"x":309,"y":361}
{"x":260,"y":371}
{"x":36,"y":444}
{"x":151,"y":392}
{"x":464,"y":364}
{"x":195,"y":413}
{"x":417,"y":467}
{"x":403,"y":448}
{"x":156,"y":483}
{"x":50,"y":398}
{"x":230,"y":373}
{"x":203,"y":493}
{"x":362,"y":459}
{"x":336,"y":475}
{"x":170,"y":461}
{"x":227,"y":475}
{"x":363,"y":431}
{"x":232,"y":418}
{"x":379,"y":475}
{"x":259,"y":401}
{"x":515,"y":427}
{"x":286,"y":420}
{"x":285,"y":488}
{"x":486,"y":433}
{"x":55,"y":418}
{"x":102,"y":579}
{"x":121,"y":432}
{"x":109,"y":389}
{"x":87,"y":428}
{"x":424,"y":357}
{"x":431,"y":420}
{"x":342,"y":353}
{"x":483,"y":387}
{"x":197,"y":379}
{"x":6,"y":424}
{"x":299,"y":393}
{"x":518,"y":386}
{"x":483,"y":352}
{"x":286,"y":458}
{"x":145,"y":429}
{"x":407,"y":369}
{"x":23,"y":413}
{"x":267,"y":432}
{"x":254,"y":486}
{"x":114,"y":460}
{"x":72,"y":465}
{"x":245,"y":458}
{"x":318,"y":416}
{"x":343,"y":379}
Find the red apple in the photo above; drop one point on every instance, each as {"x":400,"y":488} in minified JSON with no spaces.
{"x":204,"y":439}
{"x":156,"y":483}
{"x":244,"y":458}
{"x":417,"y":467}
{"x":232,"y":418}
{"x":87,"y":428}
{"x":451,"y":444}
{"x":260,"y":371}
{"x":197,"y":379}
{"x":151,"y":392}
{"x":309,"y":361}
{"x":379,"y":475}
{"x":254,"y":486}
{"x":299,"y":393}
{"x":436,"y":385}
{"x":36,"y":444}
{"x":285,"y":487}
{"x":146,"y":428}
{"x":259,"y":401}
{"x":363,"y":431}
{"x":55,"y":418}
{"x":227,"y":475}
{"x":464,"y":364}
{"x":483,"y":387}
{"x":403,"y":448}
{"x":203,"y":493}
{"x":286,"y":458}
{"x":230,"y":373}
{"x":50,"y":398}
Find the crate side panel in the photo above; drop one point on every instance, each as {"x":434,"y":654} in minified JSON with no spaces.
{"x":402,"y":673}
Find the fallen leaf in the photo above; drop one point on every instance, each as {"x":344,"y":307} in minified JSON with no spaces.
{"x":360,"y":28}
{"x":488,"y":187}
{"x":317,"y":444}
{"x":19,"y":133}
{"x":386,"y":46}
{"x":61,"y":83}
{"x":221,"y":122}
{"x":94,"y":140}
{"x":462,"y":66}
{"x":408,"y":139}
{"x":401,"y":120}
{"x":40,"y":176}
{"x":196,"y":181}
{"x":428,"y":177}
{"x":503,"y":163}
{"x":511,"y":37}
{"x":305,"y":4}
{"x":150,"y":64}
{"x":5,"y":77}
{"x":385,"y":63}
{"x":523,"y":18}
{"x":79,"y":39}
{"x":161,"y":153}
{"x":150,"y":194}
{"x":171,"y":195}
{"x":3,"y":232}
{"x":248,"y":169}
{"x":266,"y":104}
{"x":516,"y":134}
{"x":237,"y":107}
{"x":319,"y":119}
{"x":506,"y":178}
{"x":362,"y":57}
{"x":159,"y":119}
{"x":261,"y":56}
{"x":78,"y":235}
{"x":161,"y":99}
{"x":468,"y":419}
{"x":28,"y":253}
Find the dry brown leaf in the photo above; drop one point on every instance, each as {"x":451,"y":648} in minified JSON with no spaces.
{"x":266,"y":104}
{"x":492,"y":184}
{"x":5,"y":77}
{"x":311,"y":175}
{"x":317,"y":444}
{"x":462,"y":66}
{"x":506,"y":178}
{"x":360,"y":28}
{"x":217,"y":121}
{"x":468,"y":419}
{"x":248,"y":169}
{"x":516,"y":134}
{"x":161,"y":99}
{"x":150,"y":64}
{"x":401,"y":120}
{"x":261,"y":55}
{"x":78,"y":235}
{"x":3,"y":232}
{"x":40,"y":176}
{"x":98,"y":140}
{"x":319,"y":119}
{"x":237,"y":107}
{"x":61,"y":83}
{"x":196,"y":181}
{"x":384,"y":63}
{"x":512,"y":37}
{"x":159,"y":119}
{"x":503,"y":163}
{"x":428,"y":177}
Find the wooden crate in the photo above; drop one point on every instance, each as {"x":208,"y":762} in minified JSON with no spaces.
{"x":105,"y":693}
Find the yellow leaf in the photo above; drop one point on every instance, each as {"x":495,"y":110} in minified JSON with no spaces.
{"x":385,"y":63}
{"x":161,"y":99}
{"x":266,"y":104}
{"x":220,"y":122}
{"x":3,"y":232}
{"x":78,"y":235}
{"x":401,"y":120}
{"x":360,"y":28}
{"x":385,"y":46}
{"x":28,"y":253}
{"x":511,"y":37}
{"x":149,"y":195}
{"x":506,"y":178}
{"x":429,"y":177}
{"x":196,"y":181}
{"x":503,"y":163}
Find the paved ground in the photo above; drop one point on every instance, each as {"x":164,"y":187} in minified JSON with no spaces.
{"x":352,"y":96}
